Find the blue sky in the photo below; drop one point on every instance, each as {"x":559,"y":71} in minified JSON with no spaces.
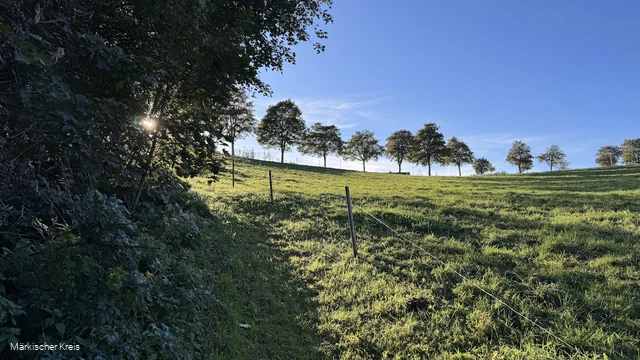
{"x":488,"y":72}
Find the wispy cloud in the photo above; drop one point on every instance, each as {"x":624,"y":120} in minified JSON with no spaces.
{"x":344,"y":112}
{"x":493,"y":143}
{"x":346,"y":126}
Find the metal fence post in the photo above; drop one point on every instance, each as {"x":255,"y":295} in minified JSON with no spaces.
{"x":351,"y":224}
{"x":270,"y":186}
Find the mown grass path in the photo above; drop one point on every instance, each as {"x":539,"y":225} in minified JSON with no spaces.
{"x":562,"y":248}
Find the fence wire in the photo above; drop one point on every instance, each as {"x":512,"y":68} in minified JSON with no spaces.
{"x":578,"y":351}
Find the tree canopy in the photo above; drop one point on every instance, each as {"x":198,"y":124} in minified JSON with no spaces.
{"x":608,"y":155}
{"x":482,"y":166}
{"x":553,"y":156}
{"x":281,"y":127}
{"x":631,"y":151}
{"x":520,"y":155}
{"x":428,"y":146}
{"x":398,"y":146}
{"x":458,"y":153}
{"x":362,"y":146}
{"x":238,"y":119}
{"x":321,"y":141}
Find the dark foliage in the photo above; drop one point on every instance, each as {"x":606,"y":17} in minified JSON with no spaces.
{"x":78,"y":79}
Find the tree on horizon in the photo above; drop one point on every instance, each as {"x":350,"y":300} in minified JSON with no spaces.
{"x":608,"y":155}
{"x":428,"y":146}
{"x":238,"y":119}
{"x":482,"y":166}
{"x":458,"y":153}
{"x":321,"y":141}
{"x":631,"y":151}
{"x":553,"y":156}
{"x":281,"y":127}
{"x":520,"y":155}
{"x":398,"y":146}
{"x":362,"y":146}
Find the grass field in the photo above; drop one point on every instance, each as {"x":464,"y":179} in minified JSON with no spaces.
{"x":563,"y":248}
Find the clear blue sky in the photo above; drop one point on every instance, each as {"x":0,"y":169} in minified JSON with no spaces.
{"x":488,"y":72}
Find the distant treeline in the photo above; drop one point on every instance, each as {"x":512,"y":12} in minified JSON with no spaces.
{"x":283,"y":127}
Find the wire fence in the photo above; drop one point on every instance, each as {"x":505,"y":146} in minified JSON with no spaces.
{"x":473,"y":283}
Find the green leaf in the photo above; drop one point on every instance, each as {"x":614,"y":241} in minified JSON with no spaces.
{"x":22,"y":243}
{"x":4,"y":337}
{"x":60,"y":327}
{"x":20,"y":56}
{"x":5,"y":28}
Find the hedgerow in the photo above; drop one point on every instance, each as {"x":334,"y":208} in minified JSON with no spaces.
{"x":97,"y":231}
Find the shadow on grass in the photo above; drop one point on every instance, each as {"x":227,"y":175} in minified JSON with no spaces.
{"x":547,"y":289}
{"x":260,"y":289}
{"x":575,"y":181}
{"x":555,"y":277}
{"x":288,"y":166}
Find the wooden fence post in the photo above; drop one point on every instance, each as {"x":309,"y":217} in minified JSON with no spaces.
{"x":270,"y":186}
{"x":351,"y":224}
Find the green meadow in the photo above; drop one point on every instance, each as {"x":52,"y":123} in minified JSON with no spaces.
{"x":562,"y":248}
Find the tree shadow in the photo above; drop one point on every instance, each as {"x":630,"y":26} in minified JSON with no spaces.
{"x":288,"y":166}
{"x":597,"y":260}
{"x":575,"y":181}
{"x":521,"y":253}
{"x":262,"y":290}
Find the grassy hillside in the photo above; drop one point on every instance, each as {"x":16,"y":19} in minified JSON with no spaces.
{"x":562,"y":248}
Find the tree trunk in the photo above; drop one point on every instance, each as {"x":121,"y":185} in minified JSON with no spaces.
{"x":519,"y":169}
{"x":459,"y":171}
{"x":233,"y":145}
{"x":551,"y":167}
{"x":429,"y":166}
{"x":282,"y":155}
{"x":325,"y":161}
{"x":364,"y":169}
{"x":163,"y":104}
{"x":399,"y":166}
{"x":146,"y":173}
{"x":611,"y":159}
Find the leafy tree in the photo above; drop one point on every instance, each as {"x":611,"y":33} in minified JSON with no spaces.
{"x":631,"y":152}
{"x":553,"y":156}
{"x":520,"y":156}
{"x":482,"y":166}
{"x":399,"y":146}
{"x":190,"y":154}
{"x":238,"y":119}
{"x":362,"y":147}
{"x":428,"y":146}
{"x":282,"y":127}
{"x":321,"y":141}
{"x":458,"y":153}
{"x":608,"y":155}
{"x":563,"y":165}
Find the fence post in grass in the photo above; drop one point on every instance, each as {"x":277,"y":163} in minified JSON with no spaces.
{"x":270,"y":186}
{"x":233,"y":172}
{"x":351,"y":224}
